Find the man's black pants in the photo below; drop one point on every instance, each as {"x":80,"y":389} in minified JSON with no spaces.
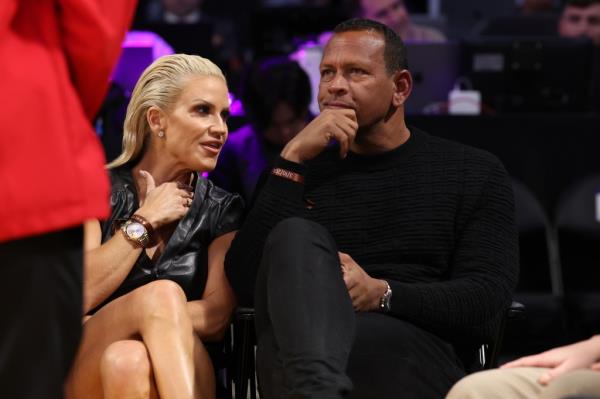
{"x":311,"y":344}
{"x":40,"y":313}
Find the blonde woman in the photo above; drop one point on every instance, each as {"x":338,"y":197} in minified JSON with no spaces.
{"x":154,"y":286}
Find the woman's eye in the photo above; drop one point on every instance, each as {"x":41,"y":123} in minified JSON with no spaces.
{"x":202,"y":109}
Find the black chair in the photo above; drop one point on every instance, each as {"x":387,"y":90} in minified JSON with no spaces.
{"x":578,"y":226}
{"x":540,"y":283}
{"x":243,"y":373}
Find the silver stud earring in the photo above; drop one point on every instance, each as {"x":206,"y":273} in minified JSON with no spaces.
{"x":161,"y":134}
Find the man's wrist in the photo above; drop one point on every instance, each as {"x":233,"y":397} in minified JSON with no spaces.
{"x":289,"y":153}
{"x":385,"y":299}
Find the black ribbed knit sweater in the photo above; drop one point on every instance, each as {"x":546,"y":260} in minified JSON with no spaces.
{"x":433,"y":217}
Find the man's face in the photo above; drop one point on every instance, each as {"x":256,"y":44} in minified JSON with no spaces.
{"x":581,"y":21}
{"x":392,"y":13}
{"x":353,"y":75}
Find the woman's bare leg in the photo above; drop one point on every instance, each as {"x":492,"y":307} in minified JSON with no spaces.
{"x":205,"y":372}
{"x":126,"y":371}
{"x":155,"y":313}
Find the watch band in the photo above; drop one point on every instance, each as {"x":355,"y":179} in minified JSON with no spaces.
{"x":385,"y":301}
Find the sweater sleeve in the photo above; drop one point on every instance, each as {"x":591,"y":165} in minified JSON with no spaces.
{"x":92,"y":32}
{"x":278,"y":199}
{"x":484,"y":269}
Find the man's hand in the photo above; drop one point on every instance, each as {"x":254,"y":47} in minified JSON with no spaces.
{"x":364,"y":290}
{"x":339,"y":124}
{"x":580,"y":355}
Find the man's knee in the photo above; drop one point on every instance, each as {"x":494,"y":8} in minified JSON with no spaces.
{"x":481,"y":385}
{"x":577,"y":383}
{"x":295,"y":233}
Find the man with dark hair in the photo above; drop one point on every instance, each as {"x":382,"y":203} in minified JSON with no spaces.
{"x":376,"y":256}
{"x":581,"y":18}
{"x":276,"y":95}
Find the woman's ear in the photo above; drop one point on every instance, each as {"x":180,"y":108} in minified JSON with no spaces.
{"x":403,"y":83}
{"x":156,"y":119}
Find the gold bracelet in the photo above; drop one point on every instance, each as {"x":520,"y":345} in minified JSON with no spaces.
{"x":288,"y":174}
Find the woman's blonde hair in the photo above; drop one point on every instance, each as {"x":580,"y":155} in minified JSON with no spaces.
{"x":160,"y":85}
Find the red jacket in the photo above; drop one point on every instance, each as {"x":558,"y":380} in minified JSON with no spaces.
{"x":55,"y":60}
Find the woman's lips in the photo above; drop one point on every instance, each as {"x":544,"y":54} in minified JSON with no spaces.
{"x":212,"y":148}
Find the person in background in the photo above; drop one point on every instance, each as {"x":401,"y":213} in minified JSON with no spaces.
{"x":275,"y":95}
{"x":57,"y":56}
{"x":394,"y":14}
{"x":529,"y":7}
{"x":555,"y":374}
{"x":580,"y":18}
{"x":155,"y":291}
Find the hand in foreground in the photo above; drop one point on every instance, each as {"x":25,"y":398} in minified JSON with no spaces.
{"x":580,"y":355}
{"x":164,"y":204}
{"x":339,"y":124}
{"x":364,"y":290}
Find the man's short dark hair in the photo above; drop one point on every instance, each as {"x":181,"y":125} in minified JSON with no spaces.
{"x":581,"y":3}
{"x":394,"y":52}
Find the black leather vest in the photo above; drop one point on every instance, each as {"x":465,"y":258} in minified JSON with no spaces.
{"x":212,"y":213}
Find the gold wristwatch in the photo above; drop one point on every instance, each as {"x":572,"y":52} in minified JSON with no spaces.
{"x":135,"y":232}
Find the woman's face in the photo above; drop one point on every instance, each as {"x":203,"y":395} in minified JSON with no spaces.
{"x":195,"y":128}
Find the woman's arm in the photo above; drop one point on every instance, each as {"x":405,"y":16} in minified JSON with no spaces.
{"x":108,"y":264}
{"x":211,"y":315}
{"x":105,"y":265}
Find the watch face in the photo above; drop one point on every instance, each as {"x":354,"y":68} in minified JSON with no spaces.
{"x":135,"y":230}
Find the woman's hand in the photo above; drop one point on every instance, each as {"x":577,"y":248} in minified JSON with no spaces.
{"x":163,"y":204}
{"x":580,"y":355}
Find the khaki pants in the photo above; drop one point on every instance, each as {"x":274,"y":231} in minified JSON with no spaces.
{"x":521,"y":383}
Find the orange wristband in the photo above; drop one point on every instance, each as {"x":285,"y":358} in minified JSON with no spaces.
{"x":288,"y":174}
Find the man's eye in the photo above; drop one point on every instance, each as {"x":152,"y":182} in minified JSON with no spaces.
{"x":326,"y":73}
{"x":357,"y":71}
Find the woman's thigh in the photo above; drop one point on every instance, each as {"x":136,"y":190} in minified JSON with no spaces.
{"x":118,"y":320}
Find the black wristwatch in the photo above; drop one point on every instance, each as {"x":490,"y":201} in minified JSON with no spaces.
{"x":385,"y":304}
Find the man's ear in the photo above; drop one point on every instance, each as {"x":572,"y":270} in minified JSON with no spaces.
{"x":403,"y":83}
{"x":156,"y":119}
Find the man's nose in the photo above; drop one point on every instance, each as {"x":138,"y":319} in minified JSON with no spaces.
{"x":339,"y":83}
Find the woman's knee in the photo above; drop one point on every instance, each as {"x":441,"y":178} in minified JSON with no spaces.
{"x":162,"y":300}
{"x":125,"y":367}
